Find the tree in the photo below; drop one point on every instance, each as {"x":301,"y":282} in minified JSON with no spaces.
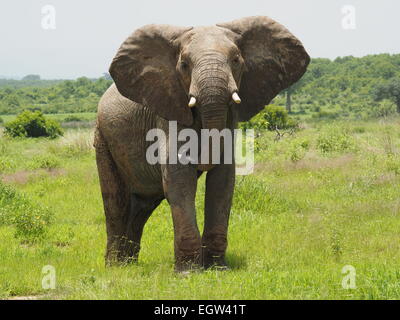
{"x":291,"y":90}
{"x":389,"y":90}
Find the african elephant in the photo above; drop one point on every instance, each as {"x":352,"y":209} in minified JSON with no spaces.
{"x":203,"y":78}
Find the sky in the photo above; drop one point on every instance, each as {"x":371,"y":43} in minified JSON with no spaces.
{"x":80,"y":37}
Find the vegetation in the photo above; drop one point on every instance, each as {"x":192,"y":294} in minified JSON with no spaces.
{"x":272,"y":117}
{"x":32,"y":125}
{"x":389,"y":90}
{"x":347,"y":87}
{"x":323,"y":197}
{"x":30,"y":220}
{"x":81,"y":95}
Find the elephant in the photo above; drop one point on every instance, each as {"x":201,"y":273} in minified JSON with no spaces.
{"x":206,"y":77}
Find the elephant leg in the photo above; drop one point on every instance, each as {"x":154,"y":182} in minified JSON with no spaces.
{"x":140,"y":211}
{"x":126,"y":213}
{"x":180,"y":190}
{"x":220,"y":183}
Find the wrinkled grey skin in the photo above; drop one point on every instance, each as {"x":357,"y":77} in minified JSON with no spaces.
{"x":156,"y":70}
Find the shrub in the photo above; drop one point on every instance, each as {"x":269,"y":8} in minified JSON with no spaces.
{"x":270,"y":118}
{"x":258,"y":123}
{"x":276,"y":116}
{"x":297,"y":149}
{"x":6,"y":164}
{"x":325,"y":115}
{"x":393,"y":164}
{"x":334,"y":140}
{"x":33,"y":124}
{"x":45,"y":161}
{"x":30,"y":220}
{"x":72,"y":118}
{"x":385,"y":108}
{"x":1,"y":120}
{"x":297,"y":153}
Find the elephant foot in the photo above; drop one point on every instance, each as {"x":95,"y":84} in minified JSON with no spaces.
{"x":214,"y":261}
{"x":122,"y":255}
{"x":187,"y":265}
{"x":119,"y":261}
{"x":217,"y":264}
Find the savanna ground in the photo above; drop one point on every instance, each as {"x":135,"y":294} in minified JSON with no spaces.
{"x":321,"y":198}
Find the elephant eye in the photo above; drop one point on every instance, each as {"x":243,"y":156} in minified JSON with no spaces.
{"x":184,"y":66}
{"x":236,"y":59}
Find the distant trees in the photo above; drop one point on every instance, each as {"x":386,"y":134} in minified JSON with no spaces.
{"x":81,"y":95}
{"x":344,"y":87}
{"x":293,"y":89}
{"x":347,"y":87}
{"x":31,"y":77}
{"x":389,"y":90}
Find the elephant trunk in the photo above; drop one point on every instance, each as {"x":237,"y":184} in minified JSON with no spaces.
{"x":212,"y":88}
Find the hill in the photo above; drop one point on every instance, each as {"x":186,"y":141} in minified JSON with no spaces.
{"x":345,"y":87}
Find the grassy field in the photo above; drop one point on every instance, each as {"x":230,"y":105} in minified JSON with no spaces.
{"x":85,"y":116}
{"x":319,"y":199}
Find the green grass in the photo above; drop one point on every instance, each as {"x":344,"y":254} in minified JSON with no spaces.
{"x":88,"y":116}
{"x":321,"y":199}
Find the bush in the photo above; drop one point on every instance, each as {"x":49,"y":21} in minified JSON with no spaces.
{"x":1,"y":120}
{"x":270,"y":118}
{"x":72,"y":118}
{"x":258,"y":122}
{"x":33,"y":124}
{"x":326,"y":115}
{"x":6,"y":164}
{"x":276,"y":116}
{"x":393,"y":164}
{"x":45,"y":161}
{"x":384,"y":109}
{"x":30,"y":220}
{"x":335,"y":140}
{"x":297,"y":153}
{"x":297,"y":149}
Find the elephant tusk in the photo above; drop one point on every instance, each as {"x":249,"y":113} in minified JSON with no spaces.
{"x":236,"y":98}
{"x":192,"y":102}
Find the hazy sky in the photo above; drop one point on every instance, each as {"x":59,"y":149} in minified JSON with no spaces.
{"x":88,"y":32}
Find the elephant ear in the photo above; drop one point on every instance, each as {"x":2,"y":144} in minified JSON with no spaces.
{"x":274,"y":59}
{"x":144,"y":71}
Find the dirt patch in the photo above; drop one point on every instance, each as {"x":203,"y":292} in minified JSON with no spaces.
{"x":320,"y":163}
{"x":24,"y":176}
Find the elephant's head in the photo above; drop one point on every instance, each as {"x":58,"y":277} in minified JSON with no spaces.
{"x":171,"y":69}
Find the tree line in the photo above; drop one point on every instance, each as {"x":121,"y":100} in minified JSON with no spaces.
{"x":345,"y":87}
